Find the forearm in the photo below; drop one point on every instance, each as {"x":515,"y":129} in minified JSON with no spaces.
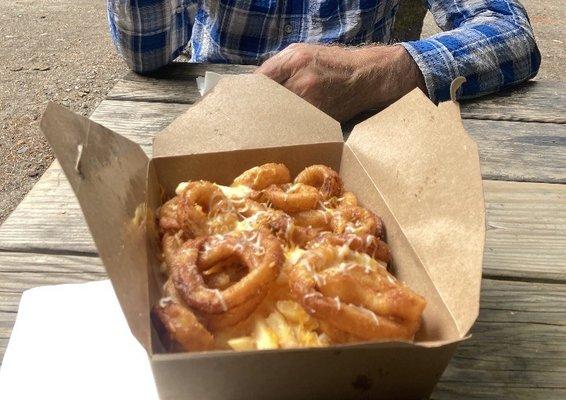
{"x":150,"y":35}
{"x":490,"y":43}
{"x":389,"y":72}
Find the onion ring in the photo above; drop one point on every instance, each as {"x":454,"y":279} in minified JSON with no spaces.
{"x":364,"y":243}
{"x":167,"y":215}
{"x":367,"y":303}
{"x":260,"y":177}
{"x":203,"y":209}
{"x":357,"y":220}
{"x":284,"y":228}
{"x":313,"y":218}
{"x":183,"y":327}
{"x":324,"y":178}
{"x":262,"y":255}
{"x":292,"y":198}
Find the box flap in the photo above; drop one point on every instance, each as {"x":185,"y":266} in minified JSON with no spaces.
{"x":108,"y":174}
{"x":245,"y":112}
{"x":427,"y":169}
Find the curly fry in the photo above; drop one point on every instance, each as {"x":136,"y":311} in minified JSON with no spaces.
{"x":364,"y":243}
{"x":357,"y":220}
{"x":260,"y":177}
{"x":292,"y":198}
{"x":313,"y":218}
{"x":203,"y":209}
{"x":324,"y":178}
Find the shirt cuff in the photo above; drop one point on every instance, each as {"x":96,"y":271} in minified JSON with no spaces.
{"x":438,"y":66}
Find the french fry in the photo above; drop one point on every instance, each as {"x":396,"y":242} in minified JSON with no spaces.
{"x":264,"y":336}
{"x":242,"y":343}
{"x":282,"y":329}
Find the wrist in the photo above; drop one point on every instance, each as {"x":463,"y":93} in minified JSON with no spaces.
{"x":389,"y":72}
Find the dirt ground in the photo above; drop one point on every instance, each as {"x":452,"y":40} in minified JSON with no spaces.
{"x":60,"y":50}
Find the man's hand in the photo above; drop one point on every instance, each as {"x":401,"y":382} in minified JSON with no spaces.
{"x":344,"y":81}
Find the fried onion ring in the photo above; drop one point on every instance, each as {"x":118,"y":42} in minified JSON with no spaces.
{"x":283,"y":227}
{"x":364,"y":243}
{"x":260,"y":177}
{"x":183,"y":327}
{"x":313,"y":218}
{"x":262,"y":255}
{"x":203,"y":209}
{"x":292,"y":198}
{"x":324,"y":178}
{"x":167,"y":215}
{"x":357,"y":220}
{"x":362,"y":301}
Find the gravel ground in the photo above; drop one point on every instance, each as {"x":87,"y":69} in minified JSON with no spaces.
{"x":60,"y":50}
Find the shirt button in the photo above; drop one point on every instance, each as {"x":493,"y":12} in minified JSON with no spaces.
{"x":288,"y":28}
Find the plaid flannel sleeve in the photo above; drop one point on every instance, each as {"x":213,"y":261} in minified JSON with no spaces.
{"x":149,"y":33}
{"x":489,"y":42}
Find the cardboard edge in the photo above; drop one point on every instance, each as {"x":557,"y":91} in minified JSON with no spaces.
{"x":415,"y":254}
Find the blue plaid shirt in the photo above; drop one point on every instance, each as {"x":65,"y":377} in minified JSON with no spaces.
{"x":490,"y":42}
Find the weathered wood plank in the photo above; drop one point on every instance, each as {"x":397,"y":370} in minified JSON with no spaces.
{"x":137,"y":121}
{"x":518,"y":345}
{"x":526,"y":230}
{"x":534,"y":101}
{"x":174,"y":83}
{"x":520,"y":151}
{"x":518,"y":341}
{"x":526,"y":235}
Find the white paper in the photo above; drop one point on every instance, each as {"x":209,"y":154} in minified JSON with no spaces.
{"x":206,"y":83}
{"x":73,"y":342}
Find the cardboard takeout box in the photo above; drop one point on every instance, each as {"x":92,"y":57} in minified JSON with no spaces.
{"x":413,"y":164}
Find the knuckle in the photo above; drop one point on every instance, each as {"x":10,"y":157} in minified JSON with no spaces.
{"x":310,"y":82}
{"x":302,"y":56}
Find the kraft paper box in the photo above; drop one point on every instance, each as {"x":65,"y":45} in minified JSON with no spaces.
{"x":413,"y":164}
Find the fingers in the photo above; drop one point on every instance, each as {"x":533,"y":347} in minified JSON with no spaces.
{"x":292,"y":60}
{"x":278,"y":67}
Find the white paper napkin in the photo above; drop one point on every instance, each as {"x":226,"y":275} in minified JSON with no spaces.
{"x":206,"y":83}
{"x":73,"y":342}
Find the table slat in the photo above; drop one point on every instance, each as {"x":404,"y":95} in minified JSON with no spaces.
{"x":520,"y":324}
{"x":517,"y":344}
{"x":526,"y":226}
{"x":519,"y":151}
{"x":534,"y":101}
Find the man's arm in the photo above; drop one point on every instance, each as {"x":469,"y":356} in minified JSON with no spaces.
{"x":489,"y":42}
{"x":344,"y":81}
{"x":492,"y":46}
{"x":149,"y":33}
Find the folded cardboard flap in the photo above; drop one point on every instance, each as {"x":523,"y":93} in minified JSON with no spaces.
{"x":244,"y":112}
{"x":426,"y":167}
{"x":108,"y":175}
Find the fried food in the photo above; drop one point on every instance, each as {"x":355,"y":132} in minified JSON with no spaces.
{"x":203,"y":209}
{"x":357,"y":220}
{"x":265,"y":175}
{"x":292,"y":198}
{"x":354,"y":295}
{"x":271,"y":263}
{"x":324,"y":178}
{"x":363,"y":243}
{"x":260,"y":253}
{"x":183,"y":327}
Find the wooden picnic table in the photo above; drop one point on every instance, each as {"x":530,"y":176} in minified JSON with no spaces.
{"x":518,"y":347}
